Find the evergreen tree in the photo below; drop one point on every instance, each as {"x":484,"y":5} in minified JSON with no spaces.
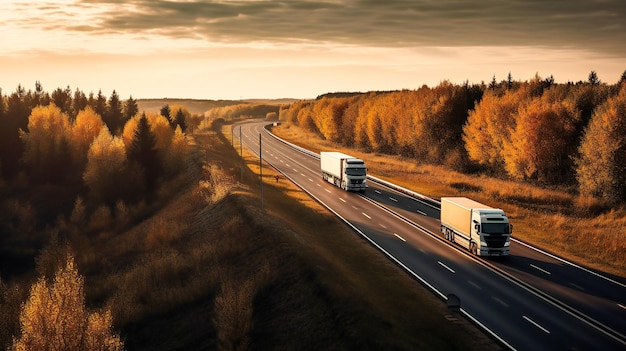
{"x":79,"y":103}
{"x":130,"y":109}
{"x":99,"y":104}
{"x":593,"y":78}
{"x":62,"y":98}
{"x":167,"y":113}
{"x":143,"y":152}
{"x":113,"y":116}
{"x":180,"y":120}
{"x":14,"y":118}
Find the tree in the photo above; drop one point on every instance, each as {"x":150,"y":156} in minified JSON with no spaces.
{"x":143,"y":152}
{"x":601,"y":166}
{"x":55,"y":317}
{"x":79,"y":103}
{"x":13,"y":119}
{"x":130,"y":110}
{"x":108,"y":175}
{"x":62,"y":98}
{"x":99,"y":104}
{"x":113,"y":115}
{"x":593,"y":78}
{"x":167,"y":113}
{"x":85,"y":129}
{"x":47,"y":152}
{"x":179,"y":120}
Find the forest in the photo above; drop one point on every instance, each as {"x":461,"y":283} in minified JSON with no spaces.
{"x":571,"y":136}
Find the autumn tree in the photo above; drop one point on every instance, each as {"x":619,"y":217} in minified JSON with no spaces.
{"x":108,"y":175}
{"x":601,"y":166}
{"x":47,"y":152}
{"x":130,"y":110}
{"x":79,"y":102}
{"x":85,"y":129}
{"x":538,"y":147}
{"x":99,"y":104}
{"x":55,"y":317}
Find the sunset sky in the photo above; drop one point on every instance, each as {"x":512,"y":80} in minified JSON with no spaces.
{"x":301,"y":49}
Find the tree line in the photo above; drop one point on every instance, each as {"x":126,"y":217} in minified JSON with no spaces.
{"x":571,"y":134}
{"x":94,"y":148}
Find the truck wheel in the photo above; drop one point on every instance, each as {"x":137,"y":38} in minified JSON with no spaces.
{"x":474,"y":249}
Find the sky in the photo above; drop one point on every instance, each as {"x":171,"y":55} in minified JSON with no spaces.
{"x":244,"y":49}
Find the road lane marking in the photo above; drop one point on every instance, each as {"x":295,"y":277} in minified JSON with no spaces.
{"x":318,"y":184}
{"x":287,"y":164}
{"x":281,"y":161}
{"x":356,"y":208}
{"x":295,"y":170}
{"x":365,"y":214}
{"x":328,"y":191}
{"x":500,"y":301}
{"x":474,"y":285}
{"x":540,"y":269}
{"x":446,"y":267}
{"x":536,"y":324}
{"x":310,"y":180}
{"x":399,"y":237}
{"x":392,"y":199}
{"x":302,"y":174}
{"x":342,"y":200}
{"x":622,"y":306}
{"x":382,"y":225}
{"x":420,"y":212}
{"x":377,"y":191}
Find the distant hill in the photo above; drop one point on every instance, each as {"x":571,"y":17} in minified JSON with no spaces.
{"x":199,"y":107}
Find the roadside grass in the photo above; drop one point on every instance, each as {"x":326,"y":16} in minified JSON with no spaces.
{"x":581,"y":229}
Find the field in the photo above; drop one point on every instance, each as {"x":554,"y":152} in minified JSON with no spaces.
{"x":581,"y":229}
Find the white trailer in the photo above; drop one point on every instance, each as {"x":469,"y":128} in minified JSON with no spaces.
{"x":482,"y":230}
{"x":347,"y":172}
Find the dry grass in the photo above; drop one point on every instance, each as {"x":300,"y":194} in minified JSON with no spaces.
{"x":581,"y":229}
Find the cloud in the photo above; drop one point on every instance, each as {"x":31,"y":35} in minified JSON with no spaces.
{"x":595,"y":25}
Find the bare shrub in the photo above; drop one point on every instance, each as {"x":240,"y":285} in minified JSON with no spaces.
{"x":10,"y":302}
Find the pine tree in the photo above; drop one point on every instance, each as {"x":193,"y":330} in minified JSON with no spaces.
{"x":113,"y":116}
{"x":180,"y":120}
{"x":130,"y":109}
{"x":143,"y":152}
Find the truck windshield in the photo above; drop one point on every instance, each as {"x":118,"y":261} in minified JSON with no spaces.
{"x":355,"y":171}
{"x":495,"y":228}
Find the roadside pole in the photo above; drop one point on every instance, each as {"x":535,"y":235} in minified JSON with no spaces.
{"x":261,"y":168}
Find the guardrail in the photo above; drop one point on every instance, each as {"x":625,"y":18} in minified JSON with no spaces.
{"x":390,"y":185}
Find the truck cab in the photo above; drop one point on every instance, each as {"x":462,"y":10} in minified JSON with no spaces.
{"x":493,"y":229}
{"x":355,"y":172}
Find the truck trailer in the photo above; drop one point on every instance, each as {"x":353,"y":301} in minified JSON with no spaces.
{"x":343,"y":170}
{"x":482,"y":230}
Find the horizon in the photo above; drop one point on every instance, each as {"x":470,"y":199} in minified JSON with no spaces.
{"x":245,"y":50}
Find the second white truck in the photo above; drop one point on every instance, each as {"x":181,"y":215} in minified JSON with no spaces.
{"x":482,"y":230}
{"x":347,"y":172}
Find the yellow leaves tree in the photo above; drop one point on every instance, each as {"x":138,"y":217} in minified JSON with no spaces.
{"x":538,"y":147}
{"x":47,"y":152}
{"x":107,"y":174}
{"x":85,"y":129}
{"x":55,"y":317}
{"x":601,"y":166}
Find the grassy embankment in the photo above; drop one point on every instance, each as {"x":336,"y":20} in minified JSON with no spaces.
{"x":580,"y":229}
{"x":210,"y":269}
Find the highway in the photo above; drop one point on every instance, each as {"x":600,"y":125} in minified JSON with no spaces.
{"x":528,"y":301}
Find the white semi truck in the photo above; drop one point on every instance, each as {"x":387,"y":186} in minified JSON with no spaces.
{"x":482,"y":230}
{"x":343,"y":170}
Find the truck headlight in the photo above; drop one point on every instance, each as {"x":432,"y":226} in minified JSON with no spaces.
{"x":507,"y":243}
{"x":483,"y":243}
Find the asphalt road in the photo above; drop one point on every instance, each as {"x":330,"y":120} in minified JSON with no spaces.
{"x":528,"y":301}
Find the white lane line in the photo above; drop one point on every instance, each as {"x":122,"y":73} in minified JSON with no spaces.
{"x":383,"y":226}
{"x":356,"y":208}
{"x":446,"y":267}
{"x":328,"y":191}
{"x":536,"y":324}
{"x":474,"y":285}
{"x":365,"y":214}
{"x":377,"y":191}
{"x":392,"y":199}
{"x":310,"y":180}
{"x":287,"y":164}
{"x":540,"y":269}
{"x":399,"y":237}
{"x":420,"y":212}
{"x":500,"y":301}
{"x":318,"y":184}
{"x":342,"y":200}
{"x":422,"y":250}
{"x":295,"y":170}
{"x":622,"y":306}
{"x":302,"y":174}
{"x":281,"y":161}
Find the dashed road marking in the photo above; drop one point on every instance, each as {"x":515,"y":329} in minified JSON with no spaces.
{"x":383,"y":226}
{"x":310,"y":180}
{"x":577,"y":286}
{"x":474,"y":285}
{"x":399,"y":237}
{"x":446,"y":267}
{"x":540,"y":269}
{"x":342,"y":200}
{"x":536,"y":324}
{"x":622,"y":306}
{"x":377,"y":191}
{"x":302,"y":174}
{"x":500,"y":301}
{"x":420,"y":212}
{"x":328,"y":191}
{"x":392,"y":199}
{"x":366,"y":215}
